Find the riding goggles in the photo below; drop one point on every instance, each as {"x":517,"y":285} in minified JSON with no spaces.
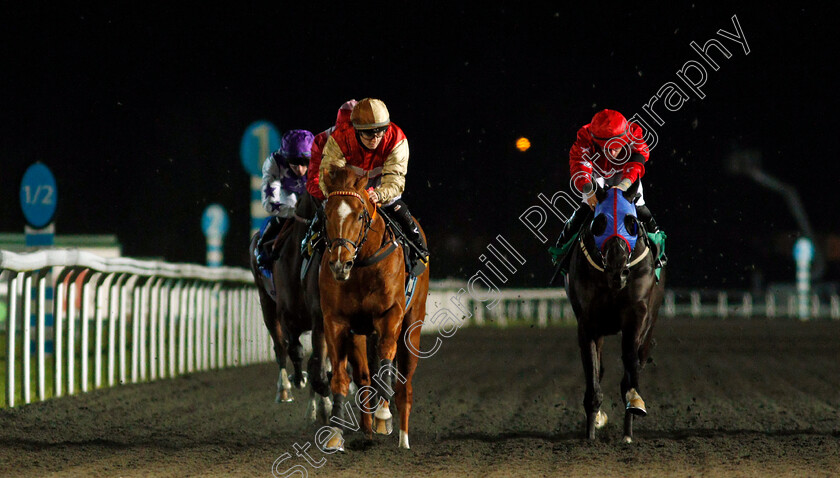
{"x":298,"y":160}
{"x":371,"y":133}
{"x":611,"y":139}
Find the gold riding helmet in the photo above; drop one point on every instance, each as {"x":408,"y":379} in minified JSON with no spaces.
{"x":370,"y":116}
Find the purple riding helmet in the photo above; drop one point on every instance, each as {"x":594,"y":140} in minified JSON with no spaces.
{"x":296,"y":149}
{"x":297,"y":146}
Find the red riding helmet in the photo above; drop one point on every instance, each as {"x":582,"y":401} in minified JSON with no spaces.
{"x":606,"y":125}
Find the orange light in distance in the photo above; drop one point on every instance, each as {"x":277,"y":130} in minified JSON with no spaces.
{"x":522,"y":144}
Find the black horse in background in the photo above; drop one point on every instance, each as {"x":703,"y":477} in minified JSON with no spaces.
{"x":292,"y":306}
{"x":612,"y":289}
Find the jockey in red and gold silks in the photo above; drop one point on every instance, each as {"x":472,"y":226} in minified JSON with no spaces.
{"x":385,"y":166}
{"x":312,"y":180}
{"x":373,"y":146}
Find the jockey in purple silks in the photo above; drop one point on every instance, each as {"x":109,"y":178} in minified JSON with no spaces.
{"x":283,"y":182}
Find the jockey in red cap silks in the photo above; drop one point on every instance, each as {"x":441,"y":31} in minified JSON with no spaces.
{"x":312,"y":241}
{"x":313,"y":180}
{"x":368,"y":142}
{"x":609,"y":152}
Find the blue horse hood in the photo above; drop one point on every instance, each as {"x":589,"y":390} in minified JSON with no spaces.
{"x":615,"y":208}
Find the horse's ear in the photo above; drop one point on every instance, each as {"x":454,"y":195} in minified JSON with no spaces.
{"x":600,"y":193}
{"x":631,"y":224}
{"x":361,"y":182}
{"x":632,"y":191}
{"x":327,"y":178}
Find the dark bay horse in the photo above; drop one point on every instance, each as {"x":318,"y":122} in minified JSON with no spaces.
{"x":612,"y":288}
{"x":363,"y":278}
{"x":291,"y":307}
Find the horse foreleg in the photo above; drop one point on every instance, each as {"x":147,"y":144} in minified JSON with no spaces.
{"x":338,"y":341}
{"x":320,"y":405}
{"x":284,"y":385}
{"x":319,"y":408}
{"x":361,"y":376}
{"x":600,"y":416}
{"x":383,"y":421}
{"x":272,"y":323}
{"x":630,"y":347}
{"x":592,"y":399}
{"x":388,"y":329}
{"x":406,"y":363}
{"x":295,"y":351}
{"x":318,"y":367}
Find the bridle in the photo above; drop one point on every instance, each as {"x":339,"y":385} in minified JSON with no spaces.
{"x":599,"y":265}
{"x":360,"y":241}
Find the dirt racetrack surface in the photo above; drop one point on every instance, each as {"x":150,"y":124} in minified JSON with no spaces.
{"x":725,"y":398}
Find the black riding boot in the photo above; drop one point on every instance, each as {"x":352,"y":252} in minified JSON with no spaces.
{"x":399,"y":212}
{"x":652,"y":228}
{"x":312,"y":237}
{"x":646,"y":218}
{"x":270,"y":232}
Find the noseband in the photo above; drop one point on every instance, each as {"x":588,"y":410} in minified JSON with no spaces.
{"x":360,"y":241}
{"x":599,"y":267}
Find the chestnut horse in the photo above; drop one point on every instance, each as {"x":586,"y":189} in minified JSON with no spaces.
{"x":616,"y":291}
{"x":363,"y":277}
{"x":291,"y":307}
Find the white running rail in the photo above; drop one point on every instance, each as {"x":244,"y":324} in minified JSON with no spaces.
{"x":121,"y":321}
{"x":550,"y":306}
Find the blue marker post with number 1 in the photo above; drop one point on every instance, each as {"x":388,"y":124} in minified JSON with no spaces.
{"x":261,"y":139}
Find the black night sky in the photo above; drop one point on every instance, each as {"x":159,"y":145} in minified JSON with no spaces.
{"x":139,"y":110}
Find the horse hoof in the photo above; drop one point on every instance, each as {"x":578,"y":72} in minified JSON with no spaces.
{"x":284,"y":396}
{"x":600,"y":419}
{"x":383,"y":421}
{"x":383,"y":427}
{"x":634,"y":403}
{"x":404,"y":440}
{"x":303,"y":381}
{"x":336,"y":441}
{"x":628,"y":439}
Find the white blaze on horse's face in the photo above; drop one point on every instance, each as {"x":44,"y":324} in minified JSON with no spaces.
{"x":341,"y":257}
{"x":344,"y":210}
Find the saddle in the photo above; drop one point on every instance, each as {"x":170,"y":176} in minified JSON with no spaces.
{"x":393,"y":237}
